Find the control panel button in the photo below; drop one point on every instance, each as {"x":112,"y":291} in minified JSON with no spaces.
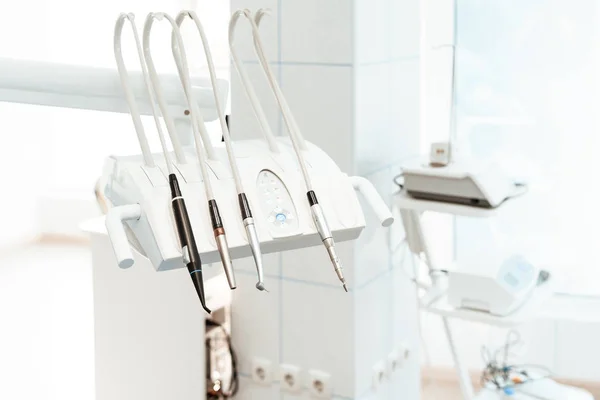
{"x":276,"y":204}
{"x":281,"y":217}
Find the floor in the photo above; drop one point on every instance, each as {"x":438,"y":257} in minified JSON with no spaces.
{"x":441,"y":391}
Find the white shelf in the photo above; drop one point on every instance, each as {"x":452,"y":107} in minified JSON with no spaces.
{"x":405,"y":201}
{"x":529,"y":310}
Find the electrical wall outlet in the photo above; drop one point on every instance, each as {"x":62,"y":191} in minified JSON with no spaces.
{"x":379,"y":374}
{"x":319,"y":384}
{"x":262,"y":371}
{"x":290,"y":378}
{"x":403,"y":352}
{"x":393,"y":362}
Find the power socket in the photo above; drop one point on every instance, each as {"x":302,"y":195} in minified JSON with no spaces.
{"x":379,"y":374}
{"x":290,"y":378}
{"x":393,"y":362}
{"x":262,"y":371}
{"x":403,"y":353}
{"x":319,"y":384}
{"x":397,"y":359}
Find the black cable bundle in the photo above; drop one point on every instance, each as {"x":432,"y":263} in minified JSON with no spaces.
{"x":221,"y":393}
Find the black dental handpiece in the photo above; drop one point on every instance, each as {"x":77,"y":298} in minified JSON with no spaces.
{"x":191,"y":257}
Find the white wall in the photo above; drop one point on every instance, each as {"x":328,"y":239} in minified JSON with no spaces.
{"x":350,"y":71}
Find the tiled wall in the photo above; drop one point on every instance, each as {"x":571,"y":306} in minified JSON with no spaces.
{"x":350,"y":72}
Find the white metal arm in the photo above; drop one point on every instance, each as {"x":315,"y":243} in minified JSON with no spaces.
{"x":115,"y":218}
{"x":89,"y":88}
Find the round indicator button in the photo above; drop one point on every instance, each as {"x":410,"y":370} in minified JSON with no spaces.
{"x":281,"y":217}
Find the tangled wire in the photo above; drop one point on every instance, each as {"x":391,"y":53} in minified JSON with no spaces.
{"x":501,"y":375}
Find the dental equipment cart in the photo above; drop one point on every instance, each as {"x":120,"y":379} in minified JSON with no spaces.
{"x":435,"y":300}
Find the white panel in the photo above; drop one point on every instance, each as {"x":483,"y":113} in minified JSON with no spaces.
{"x":312,"y":264}
{"x":247,"y":265}
{"x":141,"y":314}
{"x":373,"y":329}
{"x":243,"y":122}
{"x":405,"y":382}
{"x":405,"y":109}
{"x":383,"y":392}
{"x":46,"y":304}
{"x":317,"y":332}
{"x":372,"y":118}
{"x":255,"y":321}
{"x":252,"y":391}
{"x":316,"y":31}
{"x":437,"y":91}
{"x":372,"y":33}
{"x":321,"y":99}
{"x":268,"y":29}
{"x":372,"y":247}
{"x":305,"y":395}
{"x":577,"y":351}
{"x":439,"y":22}
{"x":539,"y":343}
{"x":405,"y":25}
{"x":387,"y":114}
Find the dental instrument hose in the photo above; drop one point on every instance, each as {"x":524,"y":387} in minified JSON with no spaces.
{"x":317,"y":213}
{"x":243,"y":203}
{"x":183,"y":71}
{"x":189,"y":250}
{"x":248,"y":87}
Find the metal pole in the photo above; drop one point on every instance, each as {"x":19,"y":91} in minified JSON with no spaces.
{"x":466,"y":386}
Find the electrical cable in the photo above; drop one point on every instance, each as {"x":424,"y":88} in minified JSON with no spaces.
{"x":502,"y":375}
{"x":318,"y":216}
{"x":248,"y":87}
{"x":182,"y":67}
{"x":243,"y":203}
{"x":400,"y":185}
{"x":235,"y":384}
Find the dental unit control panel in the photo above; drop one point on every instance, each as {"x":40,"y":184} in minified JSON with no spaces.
{"x":205,"y":202}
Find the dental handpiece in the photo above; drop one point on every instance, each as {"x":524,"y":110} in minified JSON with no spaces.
{"x":221,"y":240}
{"x":252,"y":239}
{"x":325,"y":234}
{"x":297,"y":140}
{"x":197,"y":126}
{"x":245,"y":210}
{"x":189,"y":250}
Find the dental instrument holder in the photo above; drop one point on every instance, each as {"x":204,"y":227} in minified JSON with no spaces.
{"x":275,"y":190}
